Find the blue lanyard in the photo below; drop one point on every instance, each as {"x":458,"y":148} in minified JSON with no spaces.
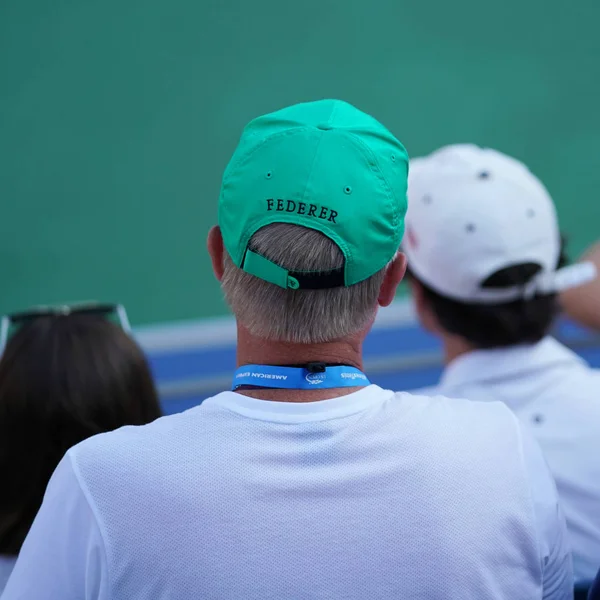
{"x":295,"y":378}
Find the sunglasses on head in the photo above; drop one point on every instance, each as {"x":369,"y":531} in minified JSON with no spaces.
{"x":11,"y":322}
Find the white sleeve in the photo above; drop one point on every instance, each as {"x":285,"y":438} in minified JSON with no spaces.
{"x":63,"y":555}
{"x":555,"y":553}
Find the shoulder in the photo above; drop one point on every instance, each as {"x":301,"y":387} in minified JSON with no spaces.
{"x":571,"y":396}
{"x":141,"y":443}
{"x":487,"y":433}
{"x":467,"y":391}
{"x":121,"y":439}
{"x":436,"y":403}
{"x":587,"y":375}
{"x":431,"y":390}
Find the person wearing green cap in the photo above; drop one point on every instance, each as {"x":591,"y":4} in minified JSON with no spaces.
{"x":304,"y":480}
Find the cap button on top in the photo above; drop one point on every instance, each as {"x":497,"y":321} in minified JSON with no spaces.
{"x":324,"y":126}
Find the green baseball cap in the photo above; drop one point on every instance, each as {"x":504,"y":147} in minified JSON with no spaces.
{"x":323,"y":165}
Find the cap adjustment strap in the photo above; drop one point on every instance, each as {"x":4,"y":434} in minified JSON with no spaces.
{"x":566,"y":278}
{"x":263,"y":268}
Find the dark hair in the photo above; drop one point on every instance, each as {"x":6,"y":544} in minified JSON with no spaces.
{"x":523,"y":321}
{"x":62,"y":380}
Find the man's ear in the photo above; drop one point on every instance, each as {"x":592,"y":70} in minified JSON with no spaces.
{"x":424,"y":313}
{"x":393,"y":276}
{"x":214,"y":243}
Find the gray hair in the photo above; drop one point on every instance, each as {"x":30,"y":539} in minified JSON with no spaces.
{"x":299,"y":316}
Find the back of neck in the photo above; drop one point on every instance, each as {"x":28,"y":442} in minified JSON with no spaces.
{"x":252,"y":350}
{"x":454,"y":347}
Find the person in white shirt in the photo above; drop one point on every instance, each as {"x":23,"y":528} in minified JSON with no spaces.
{"x":486,"y":267}
{"x":66,"y":373}
{"x":305,"y":481}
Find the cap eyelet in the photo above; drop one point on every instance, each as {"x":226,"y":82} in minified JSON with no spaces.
{"x":427,"y":199}
{"x":268,"y":174}
{"x":393,"y":157}
{"x":470,"y":228}
{"x":292,"y":283}
{"x":483,"y":175}
{"x":347,"y":190}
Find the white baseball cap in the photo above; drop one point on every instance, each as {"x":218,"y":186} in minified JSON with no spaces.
{"x":474,"y":211}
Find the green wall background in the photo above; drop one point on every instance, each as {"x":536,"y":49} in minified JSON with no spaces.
{"x":117,"y":118}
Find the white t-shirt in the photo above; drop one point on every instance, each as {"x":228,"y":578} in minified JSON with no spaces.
{"x":373,"y":495}
{"x":557,"y":395}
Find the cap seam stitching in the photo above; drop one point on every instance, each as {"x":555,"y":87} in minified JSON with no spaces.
{"x":376,"y":169}
{"x":246,"y":157}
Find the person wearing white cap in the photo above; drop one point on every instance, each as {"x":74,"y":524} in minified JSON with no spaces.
{"x":486,"y":267}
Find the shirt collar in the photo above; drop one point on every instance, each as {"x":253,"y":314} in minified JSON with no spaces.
{"x":301,"y":412}
{"x":500,"y":363}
